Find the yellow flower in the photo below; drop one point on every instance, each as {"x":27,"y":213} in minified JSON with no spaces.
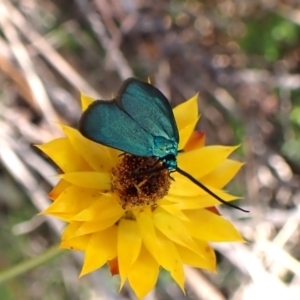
{"x":141,"y":224}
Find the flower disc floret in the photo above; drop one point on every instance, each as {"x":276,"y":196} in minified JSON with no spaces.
{"x":137,"y":183}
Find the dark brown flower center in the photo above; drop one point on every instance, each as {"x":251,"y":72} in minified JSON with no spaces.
{"x":138,"y":181}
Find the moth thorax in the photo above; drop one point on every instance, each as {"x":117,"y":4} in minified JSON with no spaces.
{"x":164,"y":147}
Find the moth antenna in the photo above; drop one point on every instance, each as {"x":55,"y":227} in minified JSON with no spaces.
{"x":207,"y":190}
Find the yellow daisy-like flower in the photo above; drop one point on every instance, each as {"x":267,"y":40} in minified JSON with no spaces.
{"x":141,"y":224}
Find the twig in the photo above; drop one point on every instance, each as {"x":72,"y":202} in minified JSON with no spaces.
{"x":201,"y":286}
{"x":120,"y":63}
{"x":21,"y":54}
{"x":45,"y":50}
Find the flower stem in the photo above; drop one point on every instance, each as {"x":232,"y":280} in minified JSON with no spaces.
{"x":30,"y":264}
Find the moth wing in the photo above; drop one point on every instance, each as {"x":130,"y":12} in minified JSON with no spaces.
{"x":148,"y":107}
{"x":103,"y":122}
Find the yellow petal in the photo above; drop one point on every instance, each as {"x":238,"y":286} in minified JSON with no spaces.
{"x":148,"y":234}
{"x":199,"y":201}
{"x":185,"y":134}
{"x":70,"y":201}
{"x":91,"y":227}
{"x":68,"y":241}
{"x":129,"y":246}
{"x":70,"y":230}
{"x":86,"y":101}
{"x":170,"y":259}
{"x":63,"y":154}
{"x":184,"y":189}
{"x":77,"y":243}
{"x":186,"y":113}
{"x":96,"y":155}
{"x":58,"y":189}
{"x":207,"y":259}
{"x":222,"y":174}
{"x":143,"y":274}
{"x":101,"y":247}
{"x":207,"y":226}
{"x":164,"y":201}
{"x":102,"y":206}
{"x":182,"y":186}
{"x":114,"y":154}
{"x":197,"y":140}
{"x":91,"y":180}
{"x":202,"y":161}
{"x":62,"y":216}
{"x":173,"y":210}
{"x":173,"y":228}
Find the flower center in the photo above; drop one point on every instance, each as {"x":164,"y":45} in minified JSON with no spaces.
{"x":137,"y":183}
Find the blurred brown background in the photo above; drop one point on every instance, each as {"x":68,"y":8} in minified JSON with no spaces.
{"x":244,"y":59}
